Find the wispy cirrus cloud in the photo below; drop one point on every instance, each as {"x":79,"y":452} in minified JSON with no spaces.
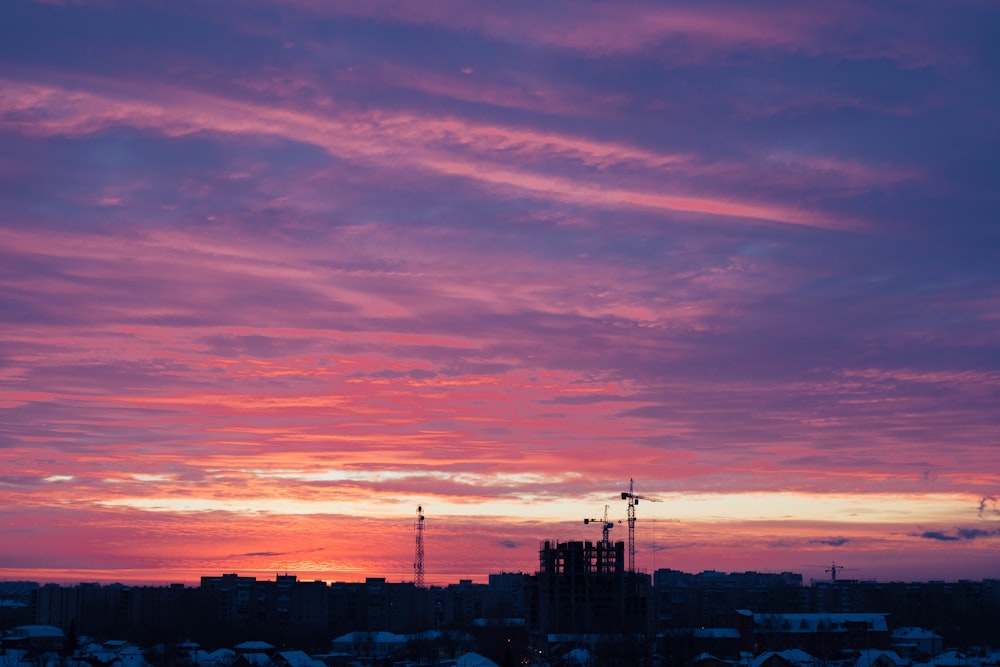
{"x":638,"y":28}
{"x":449,"y":147}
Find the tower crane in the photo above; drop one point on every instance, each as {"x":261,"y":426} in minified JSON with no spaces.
{"x":605,"y":562}
{"x":833,"y":570}
{"x":633,"y":499}
{"x":606,"y":526}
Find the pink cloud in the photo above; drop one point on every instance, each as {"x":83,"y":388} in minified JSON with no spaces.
{"x":701,"y":33}
{"x":433,"y":144}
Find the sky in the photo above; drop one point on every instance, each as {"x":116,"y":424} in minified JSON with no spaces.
{"x":274,"y":273}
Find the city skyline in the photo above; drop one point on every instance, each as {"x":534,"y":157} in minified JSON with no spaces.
{"x":275,"y":276}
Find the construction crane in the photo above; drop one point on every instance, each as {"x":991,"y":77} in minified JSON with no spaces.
{"x":606,"y":526}
{"x":833,"y":570}
{"x":605,"y":560}
{"x":418,"y":559}
{"x":633,"y":499}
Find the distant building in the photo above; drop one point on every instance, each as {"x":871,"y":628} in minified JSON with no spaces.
{"x":581,"y":590}
{"x":85,"y":608}
{"x":823,"y":635}
{"x":13,"y":613}
{"x":720,"y":642}
{"x":463,"y":602}
{"x":286,"y":609}
{"x":707,"y":599}
{"x":508,"y":595}
{"x":370,"y":644}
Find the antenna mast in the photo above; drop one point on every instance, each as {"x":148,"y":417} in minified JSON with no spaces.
{"x":418,"y":560}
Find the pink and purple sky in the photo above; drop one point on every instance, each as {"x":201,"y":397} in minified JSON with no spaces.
{"x":276,"y":272}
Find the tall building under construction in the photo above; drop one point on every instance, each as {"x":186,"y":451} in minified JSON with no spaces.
{"x":583,"y":587}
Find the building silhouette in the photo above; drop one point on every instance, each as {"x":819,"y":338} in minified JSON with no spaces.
{"x":582,"y":587}
{"x":582,"y":592}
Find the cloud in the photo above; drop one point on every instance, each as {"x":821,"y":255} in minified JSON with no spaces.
{"x":976,"y":533}
{"x":688,"y":33}
{"x":832,"y":541}
{"x":391,"y":374}
{"x":588,"y":399}
{"x":940,"y":536}
{"x":960,"y":534}
{"x":263,"y":553}
{"x":267,"y":554}
{"x":449,"y":147}
{"x":988,"y":505}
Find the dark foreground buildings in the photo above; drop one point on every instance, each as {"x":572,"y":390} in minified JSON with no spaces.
{"x":582,"y":594}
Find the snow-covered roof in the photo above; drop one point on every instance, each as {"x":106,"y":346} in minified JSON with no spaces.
{"x":914,"y":633}
{"x":257,"y":659}
{"x":102,"y":656}
{"x":16,"y":658}
{"x":818,"y":622}
{"x":758,"y":660}
{"x":794,"y":656}
{"x":299,"y":659}
{"x":254,"y":646}
{"x":950,"y":659}
{"x":797,"y":656}
{"x":473,"y":659}
{"x":716,"y":633}
{"x":579,"y":656}
{"x":380,"y":637}
{"x":132,"y":659}
{"x":218,"y":658}
{"x":35,"y":631}
{"x":871,"y":656}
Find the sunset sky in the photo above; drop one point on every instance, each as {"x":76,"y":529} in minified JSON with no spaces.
{"x":276,"y":272}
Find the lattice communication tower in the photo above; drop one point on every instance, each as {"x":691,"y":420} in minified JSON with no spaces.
{"x":418,"y":559}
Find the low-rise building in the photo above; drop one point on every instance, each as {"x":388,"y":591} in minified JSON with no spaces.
{"x":35,"y":638}
{"x":916,"y":643}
